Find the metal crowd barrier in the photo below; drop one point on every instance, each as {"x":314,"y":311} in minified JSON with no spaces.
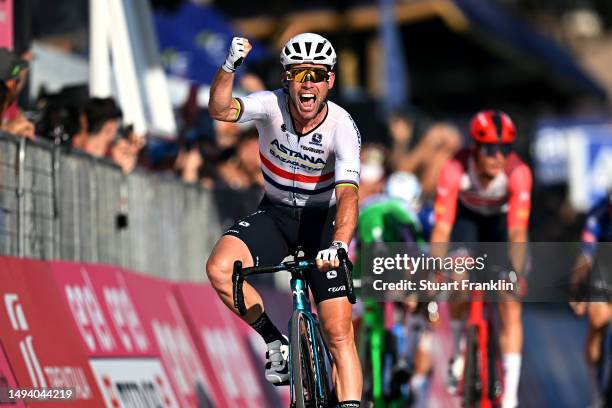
{"x":60,"y":204}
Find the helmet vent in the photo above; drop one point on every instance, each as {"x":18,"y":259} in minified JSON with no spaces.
{"x":319,"y":47}
{"x":497,"y":122}
{"x":297,"y":48}
{"x":308,"y":46}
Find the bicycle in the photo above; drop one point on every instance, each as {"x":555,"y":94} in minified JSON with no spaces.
{"x":309,"y":358}
{"x":387,"y":354}
{"x":481,"y":385}
{"x":371,"y":351}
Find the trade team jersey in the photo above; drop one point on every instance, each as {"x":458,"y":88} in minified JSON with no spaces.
{"x":509,"y":192}
{"x":302,"y":170}
{"x":598,"y":227}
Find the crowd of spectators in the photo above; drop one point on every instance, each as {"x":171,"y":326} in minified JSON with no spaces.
{"x":225,"y":156}
{"x":407,"y":150}
{"x":13,"y":76}
{"x":205,"y":152}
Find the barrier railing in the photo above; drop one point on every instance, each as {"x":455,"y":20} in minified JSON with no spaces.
{"x":60,"y":204}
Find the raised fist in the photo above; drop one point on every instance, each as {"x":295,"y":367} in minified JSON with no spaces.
{"x":238,"y":51}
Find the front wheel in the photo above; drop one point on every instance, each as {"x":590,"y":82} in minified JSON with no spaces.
{"x":471,"y":380}
{"x":309,"y":374}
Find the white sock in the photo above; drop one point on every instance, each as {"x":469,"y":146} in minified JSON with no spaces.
{"x":419,"y":384}
{"x":512,"y":372}
{"x":457,"y":329}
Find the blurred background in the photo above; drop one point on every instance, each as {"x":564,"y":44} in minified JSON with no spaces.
{"x":411,"y":73}
{"x":110,"y":156}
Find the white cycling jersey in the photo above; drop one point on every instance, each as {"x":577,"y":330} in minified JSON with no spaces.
{"x":302,"y":170}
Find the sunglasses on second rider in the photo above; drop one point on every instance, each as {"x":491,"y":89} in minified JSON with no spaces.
{"x":491,"y":149}
{"x":306,"y":74}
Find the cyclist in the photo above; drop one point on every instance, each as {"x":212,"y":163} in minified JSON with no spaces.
{"x":484,"y":195}
{"x":309,"y":150}
{"x":393,"y":217}
{"x":598,"y":228}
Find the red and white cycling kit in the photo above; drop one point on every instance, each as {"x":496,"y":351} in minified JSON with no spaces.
{"x":509,"y":192}
{"x":301,"y":170}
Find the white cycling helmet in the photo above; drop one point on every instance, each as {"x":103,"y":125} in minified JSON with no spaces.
{"x":308,"y":48}
{"x":405,"y":186}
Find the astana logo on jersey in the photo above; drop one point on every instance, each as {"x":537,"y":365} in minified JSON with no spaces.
{"x":303,"y":160}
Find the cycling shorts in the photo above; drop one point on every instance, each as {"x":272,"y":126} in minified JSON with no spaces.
{"x":275,"y":230}
{"x":471,"y":226}
{"x":472,"y":231}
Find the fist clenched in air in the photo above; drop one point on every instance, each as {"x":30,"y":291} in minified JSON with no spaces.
{"x":238,"y":51}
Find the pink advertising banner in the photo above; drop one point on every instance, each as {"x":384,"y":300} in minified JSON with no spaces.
{"x":163,"y":322}
{"x":6,"y":24}
{"x":122,"y":352}
{"x":222,"y":346}
{"x":41,"y":344}
{"x":7,"y":381}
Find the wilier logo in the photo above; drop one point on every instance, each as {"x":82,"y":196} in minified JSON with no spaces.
{"x":316,"y":139}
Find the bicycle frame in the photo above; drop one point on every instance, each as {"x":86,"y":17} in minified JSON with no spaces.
{"x":301,"y":308}
{"x":377,"y":326}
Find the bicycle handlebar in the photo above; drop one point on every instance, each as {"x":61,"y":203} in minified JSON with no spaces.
{"x":347,"y":268}
{"x":239,"y":274}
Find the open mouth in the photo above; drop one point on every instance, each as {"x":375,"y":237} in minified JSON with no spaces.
{"x":307,"y":100}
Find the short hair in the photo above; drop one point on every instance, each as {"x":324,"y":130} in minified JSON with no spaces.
{"x":98,"y":111}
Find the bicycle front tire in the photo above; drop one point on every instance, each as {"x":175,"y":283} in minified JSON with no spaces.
{"x":471,"y":386}
{"x":303,"y":365}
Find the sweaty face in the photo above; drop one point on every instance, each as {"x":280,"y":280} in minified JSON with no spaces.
{"x":305,"y":93}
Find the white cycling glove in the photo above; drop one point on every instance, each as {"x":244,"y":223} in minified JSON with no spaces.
{"x":238,"y":51}
{"x":331,"y":253}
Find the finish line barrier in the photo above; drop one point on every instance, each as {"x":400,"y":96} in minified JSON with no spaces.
{"x":117,"y":338}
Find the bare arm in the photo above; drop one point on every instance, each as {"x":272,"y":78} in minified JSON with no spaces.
{"x":221,"y":105}
{"x":347,"y":211}
{"x":347,"y":204}
{"x":347,"y":168}
{"x":519,"y":208}
{"x":580,"y":271}
{"x":517,"y":252}
{"x":440,"y":236}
